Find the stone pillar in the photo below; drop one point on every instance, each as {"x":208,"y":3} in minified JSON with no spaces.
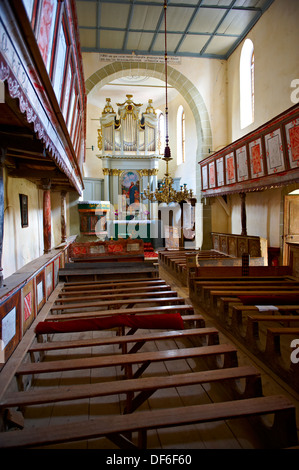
{"x":47,"y":215}
{"x":106,"y":173}
{"x":63,"y":216}
{"x":115,"y":189}
{"x":243,"y":214}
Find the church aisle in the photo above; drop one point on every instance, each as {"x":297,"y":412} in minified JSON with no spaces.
{"x":235,"y":433}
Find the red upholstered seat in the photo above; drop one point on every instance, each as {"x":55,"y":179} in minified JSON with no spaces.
{"x":171,"y":321}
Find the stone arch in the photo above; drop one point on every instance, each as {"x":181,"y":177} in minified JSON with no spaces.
{"x":198,"y":108}
{"x":178,"y":81}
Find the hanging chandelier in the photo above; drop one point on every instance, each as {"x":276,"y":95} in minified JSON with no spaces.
{"x":166,"y":192}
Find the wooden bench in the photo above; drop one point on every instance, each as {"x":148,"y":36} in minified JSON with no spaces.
{"x":202,"y":286}
{"x":145,"y":386}
{"x":89,"y":285}
{"x":214,"y":295}
{"x":219,"y":277}
{"x":112,"y":291}
{"x":253,"y":321}
{"x":273,"y":339}
{"x":110,"y":303}
{"x":100,"y":271}
{"x":123,"y":341}
{"x":130,"y":295}
{"x":283,"y":432}
{"x":182,"y":308}
{"x":126,"y":361}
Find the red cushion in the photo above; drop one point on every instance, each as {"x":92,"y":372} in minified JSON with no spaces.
{"x":172,"y":321}
{"x":271,"y":299}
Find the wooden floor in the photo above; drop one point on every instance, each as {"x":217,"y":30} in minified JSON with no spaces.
{"x":233,"y":434}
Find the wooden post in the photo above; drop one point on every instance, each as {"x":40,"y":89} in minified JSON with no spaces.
{"x":243,"y":214}
{"x":47,"y":215}
{"x":63,"y":216}
{"x":2,"y":158}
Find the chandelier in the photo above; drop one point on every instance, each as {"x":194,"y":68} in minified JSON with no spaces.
{"x":166,"y":192}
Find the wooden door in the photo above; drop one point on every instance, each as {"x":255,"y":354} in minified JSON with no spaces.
{"x":291,"y":225}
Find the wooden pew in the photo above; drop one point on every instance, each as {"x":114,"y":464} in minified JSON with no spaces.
{"x":214,"y":295}
{"x":283,"y":432}
{"x":106,"y":304}
{"x":93,"y":271}
{"x":145,"y":386}
{"x":248,"y":327}
{"x":120,"y":296}
{"x":88,"y":285}
{"x":112,"y":290}
{"x":229,"y":284}
{"x":182,"y":308}
{"x":142,"y":359}
{"x":211,"y":336}
{"x":176,"y":262}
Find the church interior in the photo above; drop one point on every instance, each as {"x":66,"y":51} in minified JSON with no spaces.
{"x":149,"y":234}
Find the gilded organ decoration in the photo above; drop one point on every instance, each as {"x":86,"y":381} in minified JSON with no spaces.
{"x":128,"y":131}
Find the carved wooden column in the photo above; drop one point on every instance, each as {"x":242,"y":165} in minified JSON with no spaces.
{"x":47,"y":215}
{"x":63,"y":216}
{"x":243,"y":214}
{"x":2,"y":158}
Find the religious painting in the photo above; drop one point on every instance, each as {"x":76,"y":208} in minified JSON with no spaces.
{"x":46,"y":29}
{"x":292,"y":136}
{"x":242,"y":163}
{"x":230,"y":168}
{"x":130,"y":188}
{"x":220,"y":171}
{"x":205,"y":177}
{"x":212,"y":180}
{"x":274,"y":152}
{"x":256,"y":158}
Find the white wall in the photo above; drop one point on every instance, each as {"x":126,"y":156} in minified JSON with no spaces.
{"x":275,"y":38}
{"x":23,"y":244}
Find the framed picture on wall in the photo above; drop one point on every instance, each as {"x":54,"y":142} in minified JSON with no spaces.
{"x":220,"y":171}
{"x":242,"y":164}
{"x":230,"y":168}
{"x":256,"y":158}
{"x":212,"y":176}
{"x":205,"y":177}
{"x":274,"y":152}
{"x":24,"y":209}
{"x":292,"y":136}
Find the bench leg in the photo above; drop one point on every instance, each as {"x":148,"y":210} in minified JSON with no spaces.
{"x":121,"y":441}
{"x":284,"y":432}
{"x":142,"y":439}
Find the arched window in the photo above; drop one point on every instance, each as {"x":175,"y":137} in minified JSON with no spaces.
{"x":247,"y":84}
{"x":180,"y":135}
{"x":161,"y":132}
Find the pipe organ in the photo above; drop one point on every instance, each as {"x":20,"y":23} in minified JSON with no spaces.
{"x":127,"y":131}
{"x":128,"y":141}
